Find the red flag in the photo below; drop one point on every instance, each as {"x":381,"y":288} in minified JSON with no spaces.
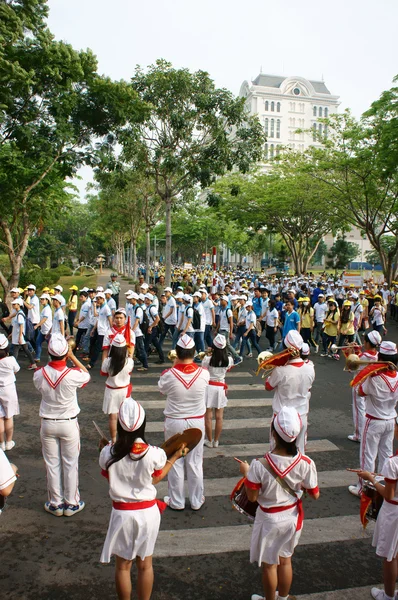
{"x":127,"y":334}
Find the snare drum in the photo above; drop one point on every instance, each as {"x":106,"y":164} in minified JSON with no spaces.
{"x":369,"y":490}
{"x":240,"y":501}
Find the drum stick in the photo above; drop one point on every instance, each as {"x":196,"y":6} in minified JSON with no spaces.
{"x":238,"y":460}
{"x":101,"y":433}
{"x":358,"y":471}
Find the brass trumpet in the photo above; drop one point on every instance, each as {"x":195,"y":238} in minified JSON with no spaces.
{"x":172,"y":355}
{"x":335,"y":348}
{"x":353,"y":362}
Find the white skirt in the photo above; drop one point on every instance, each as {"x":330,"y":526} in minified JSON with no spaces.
{"x":385,"y":537}
{"x":9,"y":401}
{"x":216,"y":397}
{"x":274,"y":535}
{"x":131,"y":533}
{"x":113,"y":399}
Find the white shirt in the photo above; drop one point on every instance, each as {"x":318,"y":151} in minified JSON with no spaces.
{"x":139,"y":314}
{"x":7,"y":475}
{"x":108,"y":337}
{"x":320,"y":311}
{"x":131,"y":480}
{"x":130,"y":311}
{"x":34,"y":312}
{"x":201,"y":311}
{"x":57,"y":385}
{"x":292,"y":385}
{"x":152,"y":313}
{"x":112,"y":304}
{"x":47,"y":314}
{"x":381,"y":394}
{"x":225,"y":315}
{"x":103,"y":325}
{"x":377,"y":317}
{"x":63,"y":301}
{"x":122,"y":379}
{"x":85,"y":314}
{"x":92,"y":318}
{"x":58,"y":317}
{"x":19,"y":319}
{"x":8,"y":368}
{"x":250,"y":318}
{"x":188,"y":314}
{"x":208,"y":308}
{"x":170,"y":306}
{"x":272,"y":318}
{"x":390,"y":472}
{"x":217,"y":373}
{"x":185,"y":387}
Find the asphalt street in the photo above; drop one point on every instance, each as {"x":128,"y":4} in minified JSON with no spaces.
{"x":199,"y":555}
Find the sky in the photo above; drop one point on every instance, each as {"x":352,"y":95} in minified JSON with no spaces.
{"x":351,"y":44}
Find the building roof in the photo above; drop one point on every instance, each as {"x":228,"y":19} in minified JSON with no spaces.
{"x":276,"y":82}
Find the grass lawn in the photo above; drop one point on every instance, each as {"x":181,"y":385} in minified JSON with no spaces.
{"x":89,"y":280}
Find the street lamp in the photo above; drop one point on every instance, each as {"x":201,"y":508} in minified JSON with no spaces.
{"x":100,"y":261}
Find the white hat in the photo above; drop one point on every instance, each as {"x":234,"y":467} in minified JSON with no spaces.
{"x":168,"y":289}
{"x":249,"y":303}
{"x":131,"y":415}
{"x":186,"y":342}
{"x":144,"y":286}
{"x":291,"y":291}
{"x":58,"y":346}
{"x":287,"y":423}
{"x":141,"y":297}
{"x":305,"y":349}
{"x":354,"y":295}
{"x":220,"y":341}
{"x":17,"y":301}
{"x":374,"y":337}
{"x":187,"y":298}
{"x":84,"y":289}
{"x":388,"y":348}
{"x":100,"y":295}
{"x":293,"y":340}
{"x":59,"y":288}
{"x":108,"y":291}
{"x":3,"y":341}
{"x":225,"y":298}
{"x":132,"y":295}
{"x":32,"y":287}
{"x":99,"y":288}
{"x":321,"y":295}
{"x":15,"y":290}
{"x":197,"y":294}
{"x":128,"y":292}
{"x":234,"y":297}
{"x":149,"y":296}
{"x":57,"y":297}
{"x":120,"y":310}
{"x":179,"y":295}
{"x":243,"y":297}
{"x":46,"y":296}
{"x":119,"y":341}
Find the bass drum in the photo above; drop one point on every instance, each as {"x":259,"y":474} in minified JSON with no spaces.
{"x":376,"y":499}
{"x":240,"y":501}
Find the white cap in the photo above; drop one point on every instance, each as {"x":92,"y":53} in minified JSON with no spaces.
{"x":305,"y":349}
{"x":243,"y":297}
{"x":108,"y":291}
{"x":85,"y":289}
{"x":32,"y":287}
{"x":15,"y":290}
{"x":131,"y":415}
{"x":119,"y":341}
{"x":374,"y":337}
{"x":224,"y":298}
{"x":144,"y":286}
{"x":220,"y":341}
{"x":46,"y":296}
{"x":149,"y":296}
{"x":100,"y":295}
{"x":57,"y":297}
{"x":168,"y":289}
{"x":17,"y":301}
{"x":120,"y":310}
{"x":132,"y":295}
{"x":186,"y":342}
{"x":388,"y":348}
{"x":3,"y":341}
{"x":141,"y":297}
{"x":128,"y":292}
{"x":197,"y":294}
{"x":187,"y":298}
{"x":179,"y":295}
{"x":59,"y":288}
{"x":249,"y":303}
{"x":99,"y":288}
{"x":58,"y":346}
{"x":293,"y":340}
{"x":287,"y":423}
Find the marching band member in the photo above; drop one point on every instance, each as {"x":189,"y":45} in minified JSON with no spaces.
{"x":381,"y":395}
{"x":218,"y":364}
{"x":119,"y":325}
{"x":59,"y":432}
{"x":132,"y":468}
{"x":369,"y":353}
{"x":117,"y":367}
{"x":292,"y":385}
{"x":185,"y":386}
{"x":9,"y":405}
{"x":276,"y":483}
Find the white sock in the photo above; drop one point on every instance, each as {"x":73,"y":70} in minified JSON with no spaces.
{"x":283,"y":597}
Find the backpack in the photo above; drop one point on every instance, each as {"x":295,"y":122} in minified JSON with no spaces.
{"x":195,"y":318}
{"x":145,"y":321}
{"x":29,"y":334}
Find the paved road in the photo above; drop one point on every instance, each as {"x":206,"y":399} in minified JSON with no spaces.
{"x":199,"y":555}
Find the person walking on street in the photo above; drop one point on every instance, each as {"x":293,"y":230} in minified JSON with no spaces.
{"x":114,"y":286}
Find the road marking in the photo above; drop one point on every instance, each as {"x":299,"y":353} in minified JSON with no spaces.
{"x":240,"y":450}
{"x":224,"y":486}
{"x":232,"y":403}
{"x":353,"y":593}
{"x":233,"y":388}
{"x":156,"y":426}
{"x":217,"y":540}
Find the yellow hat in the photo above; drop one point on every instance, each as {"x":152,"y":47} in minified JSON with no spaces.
{"x":46,"y":289}
{"x":347,"y":303}
{"x":21,"y":290}
{"x":52,"y":292}
{"x":74,"y":287}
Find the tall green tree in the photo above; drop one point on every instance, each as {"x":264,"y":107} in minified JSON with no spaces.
{"x":193,"y":134}
{"x":341,"y":253}
{"x":52,"y":103}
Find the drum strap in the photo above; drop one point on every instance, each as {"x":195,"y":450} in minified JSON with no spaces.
{"x":281,"y":481}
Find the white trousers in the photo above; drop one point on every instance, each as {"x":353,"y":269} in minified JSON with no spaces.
{"x":377,"y":441}
{"x":358,"y":413}
{"x":193,"y":463}
{"x":60,"y":442}
{"x":301,"y":439}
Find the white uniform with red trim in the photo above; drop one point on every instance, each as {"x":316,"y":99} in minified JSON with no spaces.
{"x":7,"y":475}
{"x":8,"y":392}
{"x":358,"y":402}
{"x":277,"y":532}
{"x":132,"y":532}
{"x":385,"y":537}
{"x":59,"y":431}
{"x":185,"y":387}
{"x":381,"y":393}
{"x":292,"y":385}
{"x":108,"y":337}
{"x":216,"y":396}
{"x":117,"y":387}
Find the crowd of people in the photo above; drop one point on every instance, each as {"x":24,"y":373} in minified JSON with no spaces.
{"x":212,"y":326}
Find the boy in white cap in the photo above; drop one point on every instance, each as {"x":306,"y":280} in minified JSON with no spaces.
{"x":371,"y":341}
{"x":292,"y":384}
{"x":152,"y":336}
{"x":59,"y":315}
{"x":110,"y":301}
{"x":9,"y":405}
{"x":59,"y":431}
{"x":133,"y":468}
{"x":225,"y":327}
{"x":381,"y":396}
{"x":33,"y":306}
{"x":100,"y":329}
{"x":277,"y":482}
{"x":185,"y":386}
{"x":18,"y":339}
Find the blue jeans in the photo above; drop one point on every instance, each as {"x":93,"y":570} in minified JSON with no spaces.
{"x":39,"y":340}
{"x":86,"y":340}
{"x":225,"y":333}
{"x":140,"y":351}
{"x":176,"y":335}
{"x":199,"y":339}
{"x":252,"y":336}
{"x":208,"y":336}
{"x":238,"y":337}
{"x":167,"y":328}
{"x":152,"y":338}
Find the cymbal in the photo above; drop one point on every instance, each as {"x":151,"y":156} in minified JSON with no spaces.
{"x":190,"y":437}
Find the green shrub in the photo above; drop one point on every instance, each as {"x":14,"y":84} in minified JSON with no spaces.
{"x":63,"y":270}
{"x":39,"y":277}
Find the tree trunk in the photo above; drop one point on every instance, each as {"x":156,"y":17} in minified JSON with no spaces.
{"x":148,"y":252}
{"x":168,"y":201}
{"x":134,"y":259}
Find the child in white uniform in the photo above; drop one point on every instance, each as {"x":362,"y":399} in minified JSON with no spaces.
{"x":132,"y":468}
{"x":218,"y":364}
{"x":279,"y":517}
{"x":118,"y":367}
{"x":385,"y":537}
{"x":9,"y":406}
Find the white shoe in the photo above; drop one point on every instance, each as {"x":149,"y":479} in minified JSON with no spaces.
{"x":257,"y":597}
{"x":166,"y":500}
{"x":72,"y":509}
{"x":355,"y":491}
{"x":208,"y":443}
{"x":377,"y":594}
{"x":2,"y":446}
{"x":215,"y":444}
{"x":354,"y":438}
{"x":10,"y":445}
{"x":57,"y":511}
{"x":199,"y":507}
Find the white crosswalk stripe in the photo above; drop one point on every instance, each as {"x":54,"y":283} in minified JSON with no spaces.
{"x":228,"y":424}
{"x":232,"y":403}
{"x":358,"y":593}
{"x":240,"y":450}
{"x":236,"y":388}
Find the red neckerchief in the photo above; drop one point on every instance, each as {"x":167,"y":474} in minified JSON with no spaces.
{"x":138,"y":448}
{"x":58,"y":365}
{"x":186,"y":368}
